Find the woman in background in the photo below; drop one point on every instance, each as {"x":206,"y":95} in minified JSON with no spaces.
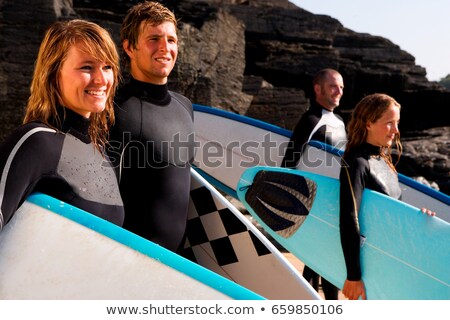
{"x":367,"y":163}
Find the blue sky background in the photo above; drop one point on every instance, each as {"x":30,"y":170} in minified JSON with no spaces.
{"x":421,"y":28}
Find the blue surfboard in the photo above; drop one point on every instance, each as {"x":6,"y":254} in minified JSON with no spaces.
{"x":405,"y":254}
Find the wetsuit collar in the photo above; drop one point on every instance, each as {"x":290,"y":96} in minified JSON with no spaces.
{"x":371,"y":149}
{"x":316,"y":105}
{"x":154,"y":93}
{"x":76,"y":125}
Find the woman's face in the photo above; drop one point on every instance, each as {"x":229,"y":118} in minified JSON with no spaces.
{"x":84,"y":82}
{"x":382,"y":132}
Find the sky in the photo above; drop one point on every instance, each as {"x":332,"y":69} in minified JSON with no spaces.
{"x":419,"y":27}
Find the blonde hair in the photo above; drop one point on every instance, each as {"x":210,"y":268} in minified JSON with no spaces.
{"x":45,"y":97}
{"x":369,"y":110}
{"x":149,"y":12}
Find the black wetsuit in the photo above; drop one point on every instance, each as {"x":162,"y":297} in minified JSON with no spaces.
{"x":64,"y":165}
{"x":320,"y":124}
{"x":152,"y":142}
{"x":366,"y":169}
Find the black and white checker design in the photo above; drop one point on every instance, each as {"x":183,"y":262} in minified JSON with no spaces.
{"x":218,"y":231}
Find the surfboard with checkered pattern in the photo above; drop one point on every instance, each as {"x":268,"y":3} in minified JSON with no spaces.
{"x":222,"y":239}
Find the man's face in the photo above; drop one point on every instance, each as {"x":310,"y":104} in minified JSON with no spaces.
{"x":330,"y":92}
{"x":155,"y":54}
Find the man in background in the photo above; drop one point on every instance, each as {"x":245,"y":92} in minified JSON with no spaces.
{"x":319,"y":123}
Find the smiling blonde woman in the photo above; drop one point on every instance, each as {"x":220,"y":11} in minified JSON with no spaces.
{"x":59,"y":148}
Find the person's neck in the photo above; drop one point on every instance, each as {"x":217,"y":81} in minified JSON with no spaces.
{"x":154,"y":93}
{"x":139,"y":76}
{"x":75,"y":123}
{"x":324,"y":106}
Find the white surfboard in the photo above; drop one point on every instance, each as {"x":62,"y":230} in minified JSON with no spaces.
{"x":231,"y":143}
{"x":222,"y":239}
{"x":52,"y":250}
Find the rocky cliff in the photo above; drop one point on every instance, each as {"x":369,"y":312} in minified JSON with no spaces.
{"x":253,"y":57}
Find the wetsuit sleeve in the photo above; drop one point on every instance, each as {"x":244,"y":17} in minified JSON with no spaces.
{"x":25,"y":157}
{"x":297,"y":142}
{"x":352,"y":183}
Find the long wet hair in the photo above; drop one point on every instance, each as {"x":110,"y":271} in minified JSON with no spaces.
{"x":369,"y":110}
{"x":45,"y":98}
{"x":149,"y":12}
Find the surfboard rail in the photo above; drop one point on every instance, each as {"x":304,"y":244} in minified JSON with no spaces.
{"x":244,"y":119}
